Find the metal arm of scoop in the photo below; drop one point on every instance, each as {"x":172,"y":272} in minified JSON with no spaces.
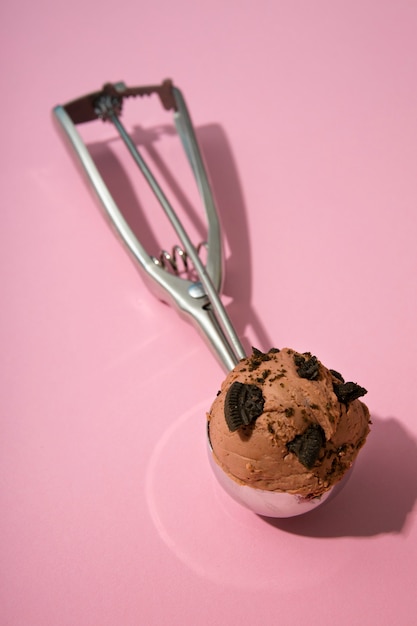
{"x":199,"y":303}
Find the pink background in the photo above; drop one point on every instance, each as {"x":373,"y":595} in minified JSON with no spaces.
{"x":306,"y":112}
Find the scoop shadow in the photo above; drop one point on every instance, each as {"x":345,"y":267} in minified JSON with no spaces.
{"x":230,"y":201}
{"x":379,"y":496}
{"x":228,"y":194}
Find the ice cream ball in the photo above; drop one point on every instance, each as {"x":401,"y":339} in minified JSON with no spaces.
{"x":284,"y":422}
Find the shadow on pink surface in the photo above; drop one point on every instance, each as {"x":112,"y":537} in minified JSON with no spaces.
{"x":233,"y":215}
{"x":379,"y":495}
{"x":229,"y":199}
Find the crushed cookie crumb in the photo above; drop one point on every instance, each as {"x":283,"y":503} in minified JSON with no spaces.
{"x":307,"y":366}
{"x":261,"y":379}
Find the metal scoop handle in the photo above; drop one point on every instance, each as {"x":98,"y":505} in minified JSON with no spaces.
{"x":198,"y":301}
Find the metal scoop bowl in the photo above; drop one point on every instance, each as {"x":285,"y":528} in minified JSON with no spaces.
{"x":270,"y":503}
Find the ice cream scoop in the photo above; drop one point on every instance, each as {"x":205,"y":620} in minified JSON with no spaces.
{"x":284,"y":431}
{"x":279,"y":440}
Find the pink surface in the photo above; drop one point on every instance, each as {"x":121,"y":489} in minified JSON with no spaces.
{"x":306,"y":112}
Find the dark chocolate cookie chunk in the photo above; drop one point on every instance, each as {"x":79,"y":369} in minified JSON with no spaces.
{"x":243,"y":404}
{"x":308,"y":445}
{"x":257,"y":358}
{"x":337,"y":375}
{"x":307,"y":366}
{"x":347,"y":392}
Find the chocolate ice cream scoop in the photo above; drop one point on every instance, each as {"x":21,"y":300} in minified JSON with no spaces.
{"x":302,"y":440}
{"x":284,"y":429}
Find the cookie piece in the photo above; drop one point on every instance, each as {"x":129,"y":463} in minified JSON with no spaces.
{"x":347,"y":392}
{"x":307,"y":446}
{"x":243,"y":404}
{"x":307,"y":366}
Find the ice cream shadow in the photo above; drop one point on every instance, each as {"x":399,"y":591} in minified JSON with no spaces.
{"x":378,"y":496}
